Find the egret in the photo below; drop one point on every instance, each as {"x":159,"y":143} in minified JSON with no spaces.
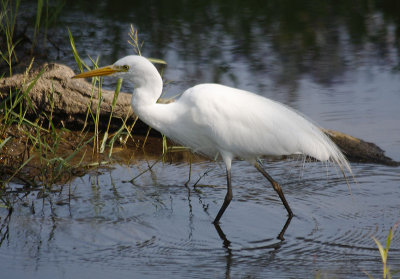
{"x":217,"y":120}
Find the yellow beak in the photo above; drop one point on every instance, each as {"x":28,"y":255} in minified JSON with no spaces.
{"x":104,"y":71}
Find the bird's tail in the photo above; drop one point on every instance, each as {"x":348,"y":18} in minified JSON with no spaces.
{"x":340,"y":160}
{"x":332,"y":153}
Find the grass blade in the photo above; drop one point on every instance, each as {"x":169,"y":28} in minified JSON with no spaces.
{"x":103,"y":142}
{"x":74,"y":51}
{"x":156,"y":61}
{"x":4,"y":142}
{"x":381,"y":250}
{"x":19,"y":169}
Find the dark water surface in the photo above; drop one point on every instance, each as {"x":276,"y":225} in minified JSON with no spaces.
{"x":337,"y":62}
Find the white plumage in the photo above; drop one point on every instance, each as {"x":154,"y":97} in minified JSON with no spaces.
{"x":216,"y":119}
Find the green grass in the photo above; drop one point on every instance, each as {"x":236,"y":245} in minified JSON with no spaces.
{"x":45,"y":143}
{"x":98,"y":146}
{"x":45,"y":159}
{"x":384,"y":254}
{"x":8,"y":17}
{"x":33,"y":150}
{"x":41,"y":143}
{"x":387,"y":273}
{"x":46,"y":15}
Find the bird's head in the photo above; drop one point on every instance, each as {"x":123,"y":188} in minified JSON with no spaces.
{"x":133,"y":67}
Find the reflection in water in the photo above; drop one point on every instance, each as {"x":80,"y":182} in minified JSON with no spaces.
{"x":157,"y":225}
{"x":226,"y":244}
{"x":230,"y":252}
{"x":4,"y":228}
{"x":249,"y":45}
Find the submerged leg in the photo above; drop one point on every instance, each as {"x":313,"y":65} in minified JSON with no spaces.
{"x":276,"y":187}
{"x":282,"y":233}
{"x":228,"y":196}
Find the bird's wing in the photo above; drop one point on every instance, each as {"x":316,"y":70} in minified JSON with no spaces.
{"x":249,"y":125}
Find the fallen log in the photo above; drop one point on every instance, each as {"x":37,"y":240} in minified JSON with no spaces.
{"x":68,"y":101}
{"x":358,"y":150}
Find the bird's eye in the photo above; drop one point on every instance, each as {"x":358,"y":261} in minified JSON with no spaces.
{"x":125,"y":67}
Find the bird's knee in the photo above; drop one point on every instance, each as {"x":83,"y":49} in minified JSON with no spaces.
{"x":276,"y":186}
{"x":228,"y":197}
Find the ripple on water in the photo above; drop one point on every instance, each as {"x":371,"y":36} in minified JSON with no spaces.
{"x":158,"y":225}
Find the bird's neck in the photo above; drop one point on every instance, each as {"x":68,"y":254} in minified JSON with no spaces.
{"x":147,"y":90}
{"x":144,"y":103}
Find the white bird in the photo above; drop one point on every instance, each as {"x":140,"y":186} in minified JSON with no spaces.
{"x":214,"y":119}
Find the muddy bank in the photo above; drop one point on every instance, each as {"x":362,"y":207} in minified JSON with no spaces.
{"x":68,"y":100}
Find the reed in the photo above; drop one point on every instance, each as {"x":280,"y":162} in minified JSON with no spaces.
{"x":8,"y":17}
{"x":46,"y":15}
{"x":114,"y":102}
{"x":95,"y":115}
{"x":45,"y":143}
{"x":42,"y":144}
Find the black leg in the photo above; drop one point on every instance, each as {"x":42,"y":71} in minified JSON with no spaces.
{"x":222,"y":235}
{"x":277,"y":188}
{"x":281,"y":234}
{"x":228,"y":197}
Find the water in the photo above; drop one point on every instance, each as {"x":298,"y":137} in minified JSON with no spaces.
{"x":336,"y":63}
{"x":102,"y":225}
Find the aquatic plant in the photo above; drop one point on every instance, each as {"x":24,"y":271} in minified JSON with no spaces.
{"x":383,"y":252}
